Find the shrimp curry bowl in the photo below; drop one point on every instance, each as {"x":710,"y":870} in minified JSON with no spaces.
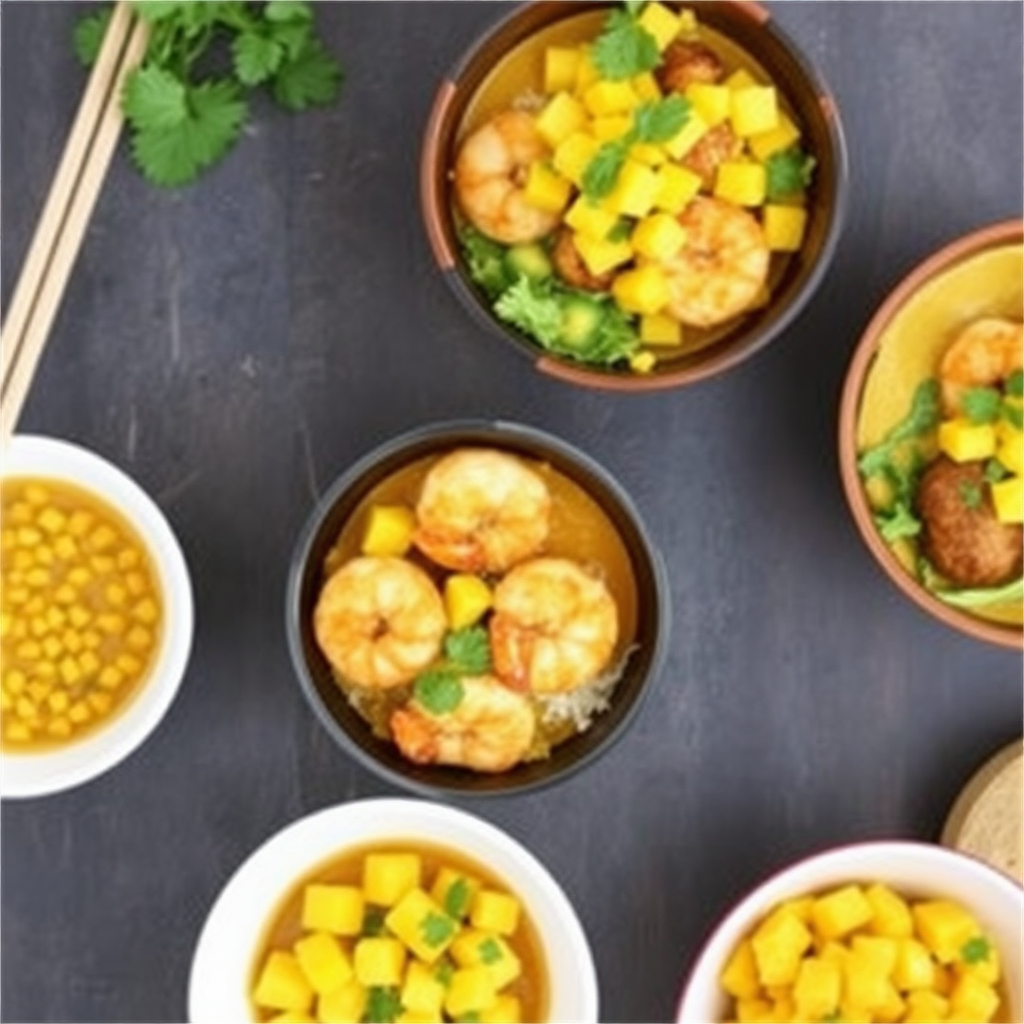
{"x":931,"y":434}
{"x":636,"y":195}
{"x":476,"y":608}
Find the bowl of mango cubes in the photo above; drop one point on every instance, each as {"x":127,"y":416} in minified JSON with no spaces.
{"x":392,"y":909}
{"x":931,"y":434}
{"x":874,"y":931}
{"x":635,"y":196}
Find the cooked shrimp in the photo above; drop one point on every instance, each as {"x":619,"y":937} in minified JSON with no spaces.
{"x":570,"y":267}
{"x":481,"y":510}
{"x":490,"y":172}
{"x":379,"y":621}
{"x":554,"y":626}
{"x":685,"y":62}
{"x":714,"y":148}
{"x":490,"y":730}
{"x":722,"y":266}
{"x":983,"y":354}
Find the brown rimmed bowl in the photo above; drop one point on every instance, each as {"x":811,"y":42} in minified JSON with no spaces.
{"x":935,"y":276}
{"x":753,"y":29}
{"x":349,"y":729}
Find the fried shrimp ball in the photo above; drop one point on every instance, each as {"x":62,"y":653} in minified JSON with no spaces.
{"x":961,"y":535}
{"x":685,"y":62}
{"x":570,"y":267}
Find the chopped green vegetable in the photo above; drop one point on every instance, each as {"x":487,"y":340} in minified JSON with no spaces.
{"x":439,"y":690}
{"x":443,"y":971}
{"x":1008,"y":593}
{"x":624,"y":48}
{"x":373,"y":922}
{"x":923,"y":416}
{"x":970,"y":494}
{"x":789,"y":172}
{"x":897,"y":522}
{"x":467,"y":653}
{"x":1013,"y":415}
{"x":1015,"y":384}
{"x":456,"y":899}
{"x":976,"y":950}
{"x":468,"y":650}
{"x":435,"y":928}
{"x":182,"y":124}
{"x":995,"y":471}
{"x":485,"y":261}
{"x":383,"y":1005}
{"x":490,"y":951}
{"x":981,"y":405}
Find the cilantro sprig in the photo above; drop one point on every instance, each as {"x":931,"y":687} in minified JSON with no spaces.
{"x":467,"y":652}
{"x":789,"y":172}
{"x":180,"y":122}
{"x":625,"y":48}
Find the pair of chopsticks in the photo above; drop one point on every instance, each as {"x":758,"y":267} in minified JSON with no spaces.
{"x":66,"y":213}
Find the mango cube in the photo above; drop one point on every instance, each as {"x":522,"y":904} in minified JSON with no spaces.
{"x":739,"y":976}
{"x":741,"y":78}
{"x":506,"y":1010}
{"x":817,"y":988}
{"x":601,"y":255}
{"x":890,"y":912}
{"x":642,"y":290}
{"x":281,"y":984}
{"x":1008,"y":499}
{"x":379,"y":960}
{"x":346,"y":1003}
{"x":661,"y":22}
{"x":608,"y":97}
{"x":586,"y":72}
{"x":646,"y":86}
{"x":572,"y":156}
{"x":1010,"y":447}
{"x":865,"y":984}
{"x":421,"y":990}
{"x":333,"y":908}
{"x":779,"y":943}
{"x":695,"y":128}
{"x":455,"y":891}
{"x":610,"y":127}
{"x":658,"y":236}
{"x":648,"y":153}
{"x":973,"y":1000}
{"x":925,"y":1007}
{"x":643,"y":361}
{"x":562,"y":115}
{"x":775,"y":140}
{"x":712,"y":103}
{"x":660,"y":329}
{"x":677,"y":185}
{"x":753,"y":110}
{"x":466,"y":598}
{"x":324,"y":962}
{"x":422,"y":925}
{"x":944,"y":927}
{"x":545,"y":188}
{"x":494,"y":911}
{"x":840,"y":911}
{"x":293,"y":1017}
{"x":914,"y":968}
{"x":587,"y":218}
{"x":754,"y":1011}
{"x":745,"y":184}
{"x":389,"y":530}
{"x":474,"y":948}
{"x":964,"y":441}
{"x":784,"y":227}
{"x":387,"y":877}
{"x":561,"y":66}
{"x":634,"y":191}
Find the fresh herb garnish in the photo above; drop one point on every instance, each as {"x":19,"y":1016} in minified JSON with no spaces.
{"x":443,"y":971}
{"x":436,"y":928}
{"x":438,"y":690}
{"x":373,"y":922}
{"x":970,"y":494}
{"x":467,"y":652}
{"x":625,"y":48}
{"x":976,"y":950}
{"x":490,"y":951}
{"x":897,"y":522}
{"x":182,"y":124}
{"x":923,"y":416}
{"x":383,"y":1005}
{"x":981,"y":404}
{"x":995,"y":471}
{"x":1015,"y":384}
{"x":456,"y":899}
{"x":788,"y":172}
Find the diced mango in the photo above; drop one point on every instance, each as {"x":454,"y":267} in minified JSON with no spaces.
{"x":712,"y":103}
{"x":1008,"y":499}
{"x":840,"y":911}
{"x":455,"y":891}
{"x":964,"y":441}
{"x":660,"y":329}
{"x":379,"y":960}
{"x":601,"y":255}
{"x":610,"y":127}
{"x":642,"y":290}
{"x":648,"y":153}
{"x":741,"y":78}
{"x":754,"y":1011}
{"x":471,"y":991}
{"x":915,"y":968}
{"x":775,"y":140}
{"x":293,"y":1017}
{"x":890,"y":912}
{"x":753,"y":110}
{"x":925,"y":1008}
{"x":677,"y":185}
{"x":587,"y":218}
{"x":658,"y":236}
{"x":333,"y":908}
{"x":817,"y":988}
{"x":345,"y":1004}
{"x":586,"y":73}
{"x":474,"y":948}
{"x":784,"y":227}
{"x":972,"y":1000}
{"x":389,"y":530}
{"x":561,"y":66}
{"x":422,"y":925}
{"x":865,"y":984}
{"x":695,"y":128}
{"x":387,"y":877}
{"x":281,"y":984}
{"x":572,"y":156}
{"x":466,"y":598}
{"x":561,"y":116}
{"x":608,"y":97}
{"x":739,"y":976}
{"x":944,"y":927}
{"x":661,"y":22}
{"x":545,"y":188}
{"x":634,"y":191}
{"x":495,"y":911}
{"x":506,"y":1010}
{"x":1010,"y":447}
{"x":983,"y":962}
{"x":779,"y":942}
{"x":646,"y":86}
{"x":643,"y":361}
{"x":745,"y":184}
{"x":323,"y":960}
{"x":421,"y":991}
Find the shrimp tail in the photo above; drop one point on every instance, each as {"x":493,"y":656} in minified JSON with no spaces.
{"x":511,"y":651}
{"x":451,"y":548}
{"x":415,"y":740}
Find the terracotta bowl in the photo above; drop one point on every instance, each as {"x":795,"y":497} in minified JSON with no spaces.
{"x":645,"y":638}
{"x":752,"y":29}
{"x":931,"y":291}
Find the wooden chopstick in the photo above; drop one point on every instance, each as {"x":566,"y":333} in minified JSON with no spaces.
{"x":66,"y":213}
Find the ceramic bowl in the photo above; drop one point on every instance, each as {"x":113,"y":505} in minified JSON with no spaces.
{"x":500,"y":54}
{"x":225,"y":959}
{"x":914,"y":870}
{"x":640,"y":563}
{"x":61,"y":767}
{"x":977,"y":275}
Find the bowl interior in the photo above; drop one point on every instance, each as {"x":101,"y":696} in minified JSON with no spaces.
{"x":945,"y":291}
{"x":750,"y":28}
{"x":345,"y":724}
{"x":46,"y":771}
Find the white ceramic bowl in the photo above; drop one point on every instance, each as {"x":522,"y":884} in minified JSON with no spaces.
{"x":918,"y":870}
{"x":222,"y":968}
{"x":36,"y":774}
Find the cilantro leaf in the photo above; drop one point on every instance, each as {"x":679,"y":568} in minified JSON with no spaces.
{"x":469,"y":650}
{"x":436,"y":928}
{"x":624,"y":48}
{"x":600,"y":175}
{"x":995,"y":471}
{"x":970,"y":494}
{"x":456,"y":899}
{"x":443,"y":971}
{"x":922,"y":417}
{"x":161,"y":10}
{"x":1013,"y":415}
{"x":310,"y":77}
{"x":383,"y":1005}
{"x":897,"y":522}
{"x":976,"y":950}
{"x":490,"y":951}
{"x":438,"y":690}
{"x":89,"y":33}
{"x":662,"y":119}
{"x":789,"y":172}
{"x":155,"y":98}
{"x":256,"y":57}
{"x":288,"y":11}
{"x":981,"y":404}
{"x":1015,"y":384}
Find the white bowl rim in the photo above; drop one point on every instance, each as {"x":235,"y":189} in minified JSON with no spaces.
{"x":222,"y":961}
{"x":38,"y":774}
{"x":856,"y":860}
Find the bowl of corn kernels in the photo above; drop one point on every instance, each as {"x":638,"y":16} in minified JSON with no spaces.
{"x":873,"y":931}
{"x":96,"y":616}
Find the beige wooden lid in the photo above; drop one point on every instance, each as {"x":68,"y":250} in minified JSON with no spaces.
{"x":986,"y":818}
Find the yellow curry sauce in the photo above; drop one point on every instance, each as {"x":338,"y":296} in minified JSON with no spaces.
{"x":80,"y":613}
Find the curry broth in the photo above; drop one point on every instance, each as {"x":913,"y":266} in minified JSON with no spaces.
{"x":532,"y":987}
{"x":580,"y":530}
{"x":519,"y":75}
